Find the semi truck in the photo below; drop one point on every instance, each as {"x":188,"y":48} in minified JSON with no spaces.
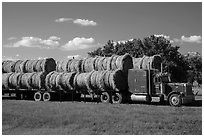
{"x":143,"y":85}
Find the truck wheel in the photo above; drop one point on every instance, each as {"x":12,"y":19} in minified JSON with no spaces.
{"x":37,"y":96}
{"x":105,"y":97}
{"x":117,"y":98}
{"x":175,"y":100}
{"x":46,"y":96}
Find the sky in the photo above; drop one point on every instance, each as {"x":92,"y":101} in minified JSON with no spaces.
{"x":63,"y":30}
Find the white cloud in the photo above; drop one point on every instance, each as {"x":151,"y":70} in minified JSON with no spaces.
{"x":79,"y":43}
{"x":162,"y":35}
{"x":85,"y":22}
{"x":54,"y":38}
{"x":63,"y":19}
{"x":35,"y":42}
{"x":191,"y":39}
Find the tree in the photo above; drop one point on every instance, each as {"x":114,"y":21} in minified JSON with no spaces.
{"x":172,"y":59}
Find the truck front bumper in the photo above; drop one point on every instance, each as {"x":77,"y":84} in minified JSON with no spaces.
{"x":188,"y":99}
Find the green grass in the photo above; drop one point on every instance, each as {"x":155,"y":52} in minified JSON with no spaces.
{"x":29,"y":117}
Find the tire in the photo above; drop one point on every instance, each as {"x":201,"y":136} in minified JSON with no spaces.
{"x":117,"y":98}
{"x":37,"y":96}
{"x":175,"y":100}
{"x":46,"y":96}
{"x":105,"y":97}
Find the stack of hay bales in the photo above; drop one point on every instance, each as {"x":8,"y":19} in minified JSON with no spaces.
{"x":146,"y":62}
{"x":94,"y":74}
{"x":26,"y":74}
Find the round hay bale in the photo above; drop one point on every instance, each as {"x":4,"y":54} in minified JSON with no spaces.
{"x":116,"y":81}
{"x":28,"y":66}
{"x":38,"y":80}
{"x":26,"y":80}
{"x":53,"y":80}
{"x":17,"y":67}
{"x":67,"y":81}
{"x":113,"y":62}
{"x":64,"y":66}
{"x":124,"y":63}
{"x":78,"y":65}
{"x":105,"y":62}
{"x":106,"y":80}
{"x":34,"y":65}
{"x":48,"y":65}
{"x":8,"y":66}
{"x":88,"y":64}
{"x":100,"y":64}
{"x":38,"y":65}
{"x":95,"y":63}
{"x":48,"y":81}
{"x":81,"y":81}
{"x":72,"y":65}
{"x":14,"y":80}
{"x":23,"y":66}
{"x":156,"y":61}
{"x":109,"y":63}
{"x":5,"y":80}
{"x":102,"y":85}
{"x":93,"y":80}
{"x":59,"y":81}
{"x":88,"y":81}
{"x":145,"y":62}
{"x":136,"y":63}
{"x":58,"y":65}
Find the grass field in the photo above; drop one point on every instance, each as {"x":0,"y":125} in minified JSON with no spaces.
{"x":29,"y":117}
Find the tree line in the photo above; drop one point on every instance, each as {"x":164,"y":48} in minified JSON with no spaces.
{"x":183,"y":68}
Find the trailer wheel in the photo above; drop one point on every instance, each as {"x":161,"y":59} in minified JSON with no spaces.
{"x":46,"y":96}
{"x":175,"y":100}
{"x":105,"y":97}
{"x":37,"y":96}
{"x":117,"y":98}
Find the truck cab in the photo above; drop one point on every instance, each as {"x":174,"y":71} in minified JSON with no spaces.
{"x":146,"y":84}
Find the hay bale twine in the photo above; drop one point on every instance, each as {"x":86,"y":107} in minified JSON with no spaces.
{"x":124,"y":63}
{"x":5,"y":80}
{"x":26,"y":81}
{"x":17,"y":67}
{"x":116,"y":81}
{"x":38,"y":80}
{"x":8,"y":66}
{"x":67,"y":81}
{"x":14,"y":80}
